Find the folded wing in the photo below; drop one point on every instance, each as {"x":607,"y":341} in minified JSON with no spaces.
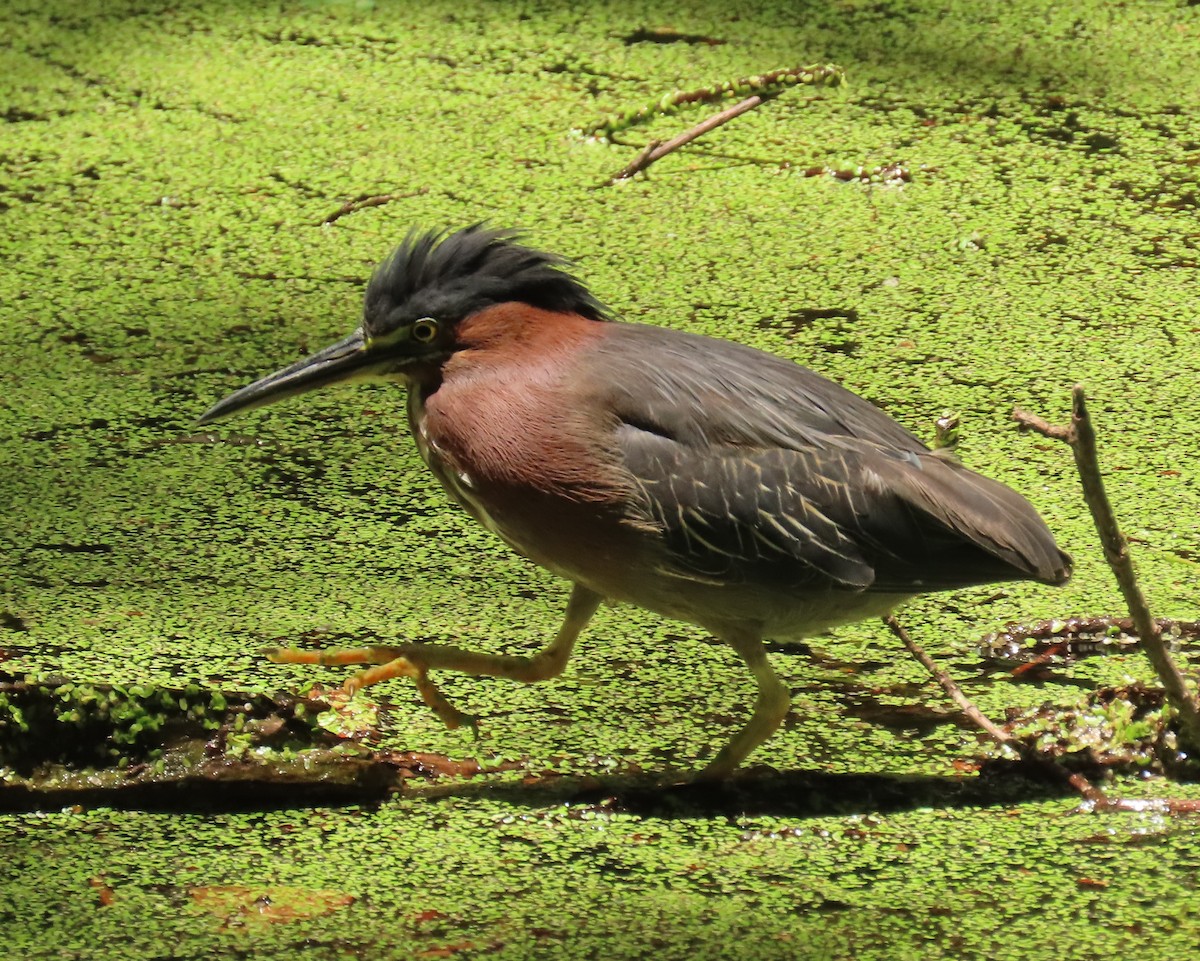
{"x":789,"y":478}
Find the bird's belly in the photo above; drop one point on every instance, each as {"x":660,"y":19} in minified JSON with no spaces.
{"x":817,"y":613}
{"x":777,"y":612}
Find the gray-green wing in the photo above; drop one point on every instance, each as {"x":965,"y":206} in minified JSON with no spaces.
{"x":756,"y":468}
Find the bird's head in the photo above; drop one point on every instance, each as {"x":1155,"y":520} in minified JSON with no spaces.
{"x":415,"y":301}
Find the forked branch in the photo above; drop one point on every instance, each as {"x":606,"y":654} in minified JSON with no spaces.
{"x":1081,"y":437}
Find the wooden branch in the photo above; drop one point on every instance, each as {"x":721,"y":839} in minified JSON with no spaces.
{"x":1080,"y":783}
{"x":1043,"y":427}
{"x":656,"y":150}
{"x":365,"y":201}
{"x":1081,"y":436}
{"x":1094,"y":798}
{"x":767,"y":84}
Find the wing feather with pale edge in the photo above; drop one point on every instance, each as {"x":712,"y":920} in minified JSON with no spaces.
{"x":755,"y":467}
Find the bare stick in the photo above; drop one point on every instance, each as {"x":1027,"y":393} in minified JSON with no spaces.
{"x":361,"y":203}
{"x":769,"y":83}
{"x":656,"y":150}
{"x":1081,"y":784}
{"x":1082,"y":438}
{"x":1044,"y":427}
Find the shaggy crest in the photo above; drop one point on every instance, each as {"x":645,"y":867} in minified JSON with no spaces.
{"x":451,"y":276}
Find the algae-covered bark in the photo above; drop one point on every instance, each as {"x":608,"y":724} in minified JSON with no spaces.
{"x":64,"y":743}
{"x":169,"y":176}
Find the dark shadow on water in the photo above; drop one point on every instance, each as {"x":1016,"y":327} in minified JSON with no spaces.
{"x":753,"y":792}
{"x":800,"y":794}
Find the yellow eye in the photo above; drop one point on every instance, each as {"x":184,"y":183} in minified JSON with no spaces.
{"x":425,"y":330}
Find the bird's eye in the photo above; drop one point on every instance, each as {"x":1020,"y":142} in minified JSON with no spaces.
{"x":425,"y":330}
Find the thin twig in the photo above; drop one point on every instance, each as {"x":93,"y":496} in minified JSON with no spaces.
{"x":769,"y":84}
{"x":367,"y":200}
{"x":1077,"y":781}
{"x":1043,"y":427}
{"x":656,"y":151}
{"x":1082,"y":439}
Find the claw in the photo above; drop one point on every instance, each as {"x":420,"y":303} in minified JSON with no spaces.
{"x":451,"y":716}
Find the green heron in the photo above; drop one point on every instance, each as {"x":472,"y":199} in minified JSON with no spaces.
{"x":707,"y":481}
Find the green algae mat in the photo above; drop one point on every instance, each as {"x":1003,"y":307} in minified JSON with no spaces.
{"x":992,"y":207}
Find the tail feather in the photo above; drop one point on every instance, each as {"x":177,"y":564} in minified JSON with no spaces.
{"x":991,"y":516}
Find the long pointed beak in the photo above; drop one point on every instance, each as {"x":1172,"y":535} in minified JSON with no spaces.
{"x":346,"y":360}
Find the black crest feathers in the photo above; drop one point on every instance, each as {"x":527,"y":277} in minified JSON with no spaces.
{"x":451,"y":276}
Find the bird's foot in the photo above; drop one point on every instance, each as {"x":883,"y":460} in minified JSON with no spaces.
{"x":390,"y":667}
{"x":451,"y":716}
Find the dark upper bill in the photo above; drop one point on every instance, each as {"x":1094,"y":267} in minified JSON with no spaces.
{"x":348,"y":359}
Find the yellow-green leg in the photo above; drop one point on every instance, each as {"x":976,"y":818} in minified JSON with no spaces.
{"x":770,"y":708}
{"x":417,"y":660}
